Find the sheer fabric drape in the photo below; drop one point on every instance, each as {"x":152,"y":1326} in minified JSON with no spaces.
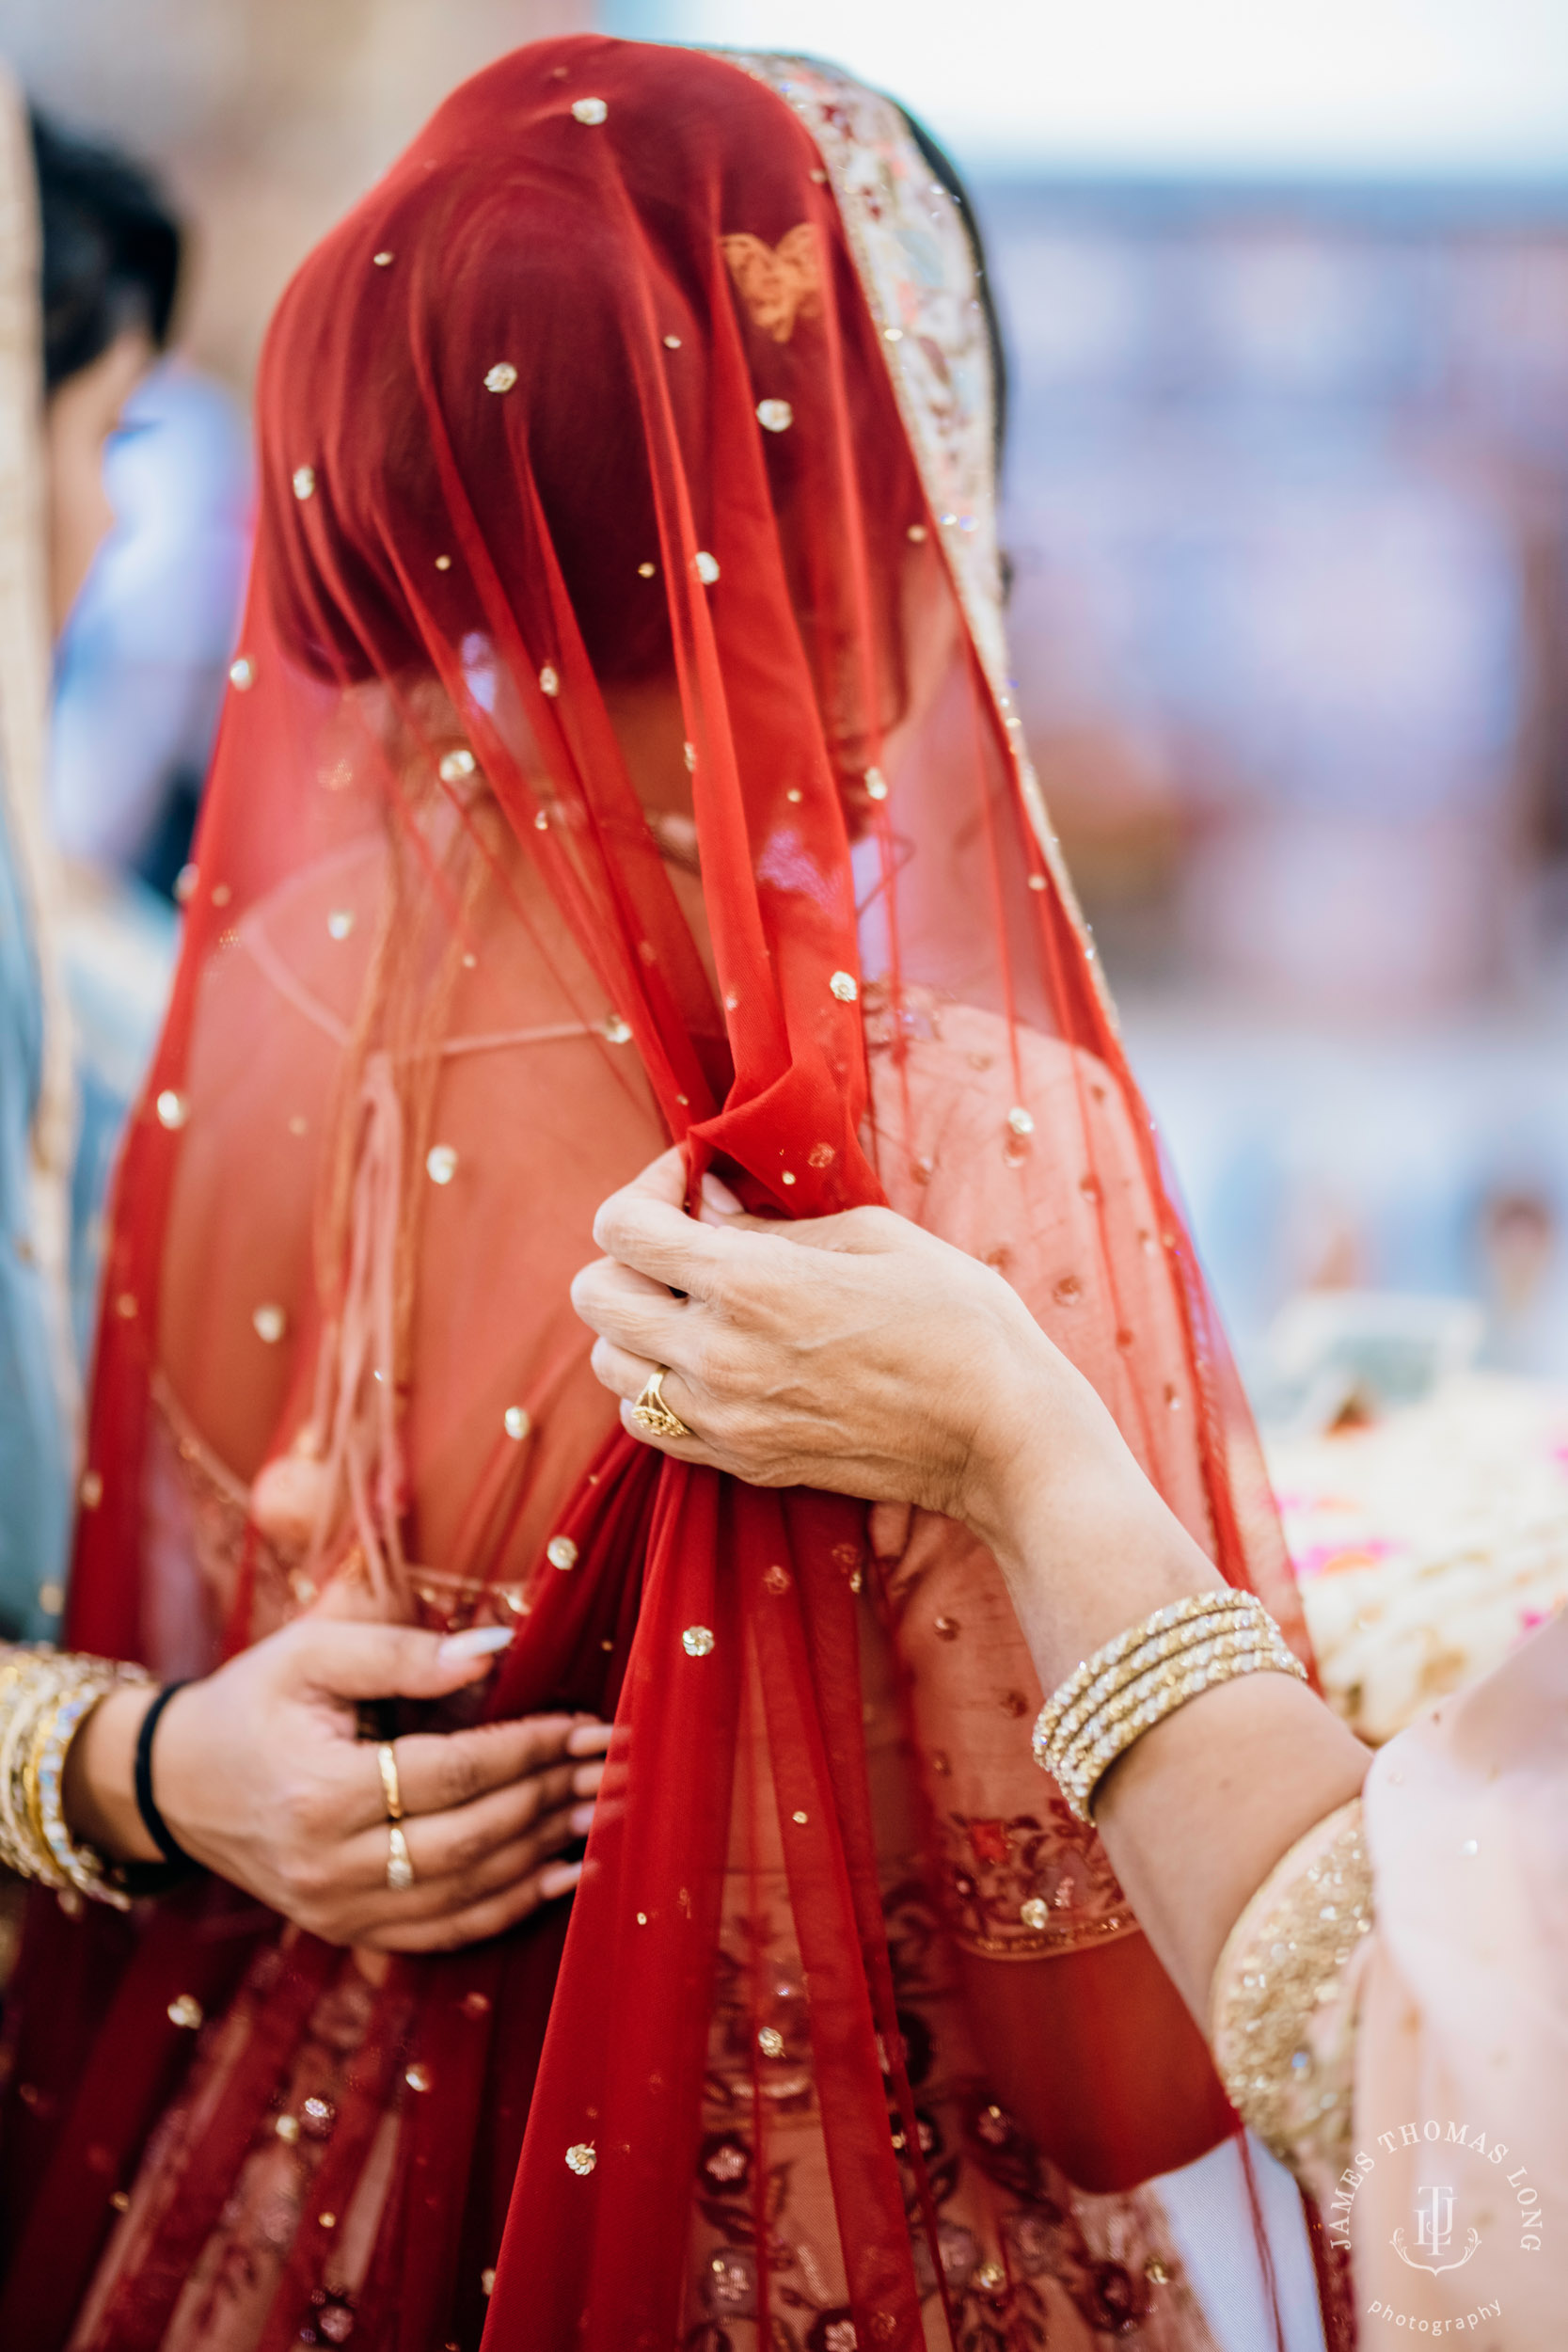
{"x":620,"y":749}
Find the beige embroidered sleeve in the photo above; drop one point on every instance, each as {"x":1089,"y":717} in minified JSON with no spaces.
{"x":1286,"y":1997}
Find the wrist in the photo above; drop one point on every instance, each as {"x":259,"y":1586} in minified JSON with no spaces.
{"x":1048,"y":1460}
{"x":98,"y":1794}
{"x":1015,"y":1386}
{"x":1086,"y":1544}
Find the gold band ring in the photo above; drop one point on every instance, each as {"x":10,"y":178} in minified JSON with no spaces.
{"x":399,"y":1869}
{"x":651,"y":1412}
{"x":391,"y":1787}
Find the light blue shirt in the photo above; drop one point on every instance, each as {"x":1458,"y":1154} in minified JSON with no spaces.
{"x":35,"y":1442}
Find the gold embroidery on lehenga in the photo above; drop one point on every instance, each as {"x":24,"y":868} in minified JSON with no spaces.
{"x":1051,"y":1875}
{"x":1021,"y":2253}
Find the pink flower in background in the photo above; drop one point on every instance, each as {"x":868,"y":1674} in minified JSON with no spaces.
{"x":1337,"y":1559}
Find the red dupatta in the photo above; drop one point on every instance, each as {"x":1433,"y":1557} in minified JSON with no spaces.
{"x":621,"y":749}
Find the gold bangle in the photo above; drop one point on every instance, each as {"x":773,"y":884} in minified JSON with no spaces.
{"x":38,"y":1729}
{"x":44,"y":1679}
{"x":1148,"y":1654}
{"x":1146,"y":1674}
{"x":1088,"y":1766}
{"x":67,"y":1679}
{"x":1244,"y":1629}
{"x":1129,"y":1696}
{"x":81,"y":1866}
{"x":1175,"y":1612}
{"x":1166,"y":1634}
{"x":13,"y":1670}
{"x":45,"y":1697}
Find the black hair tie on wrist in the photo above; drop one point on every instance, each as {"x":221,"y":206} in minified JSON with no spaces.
{"x":152,"y":1821}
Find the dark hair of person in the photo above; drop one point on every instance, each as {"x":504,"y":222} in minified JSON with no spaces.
{"x":111,"y":251}
{"x":945,"y":170}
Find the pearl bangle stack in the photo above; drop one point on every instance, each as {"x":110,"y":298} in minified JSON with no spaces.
{"x":1144,"y":1675}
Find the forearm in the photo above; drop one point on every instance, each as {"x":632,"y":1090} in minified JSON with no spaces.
{"x":1197,"y":1811}
{"x":98,"y":1795}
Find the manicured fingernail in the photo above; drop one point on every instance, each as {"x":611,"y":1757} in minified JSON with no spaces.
{"x":582,"y":1818}
{"x":588,"y":1739}
{"x":559,"y":1879}
{"x":719,"y":1195}
{"x":475,"y":1641}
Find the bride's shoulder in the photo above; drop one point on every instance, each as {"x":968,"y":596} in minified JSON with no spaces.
{"x":948,"y":1056}
{"x":977,"y":1120}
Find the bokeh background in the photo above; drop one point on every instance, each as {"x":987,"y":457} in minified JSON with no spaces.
{"x":1285,"y":288}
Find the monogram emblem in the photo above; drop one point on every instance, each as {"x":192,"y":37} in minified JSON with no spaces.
{"x":1434,"y":2233}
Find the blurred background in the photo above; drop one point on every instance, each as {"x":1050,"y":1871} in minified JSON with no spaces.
{"x":1285,"y":288}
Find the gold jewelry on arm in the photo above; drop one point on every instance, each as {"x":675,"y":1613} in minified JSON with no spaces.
{"x":34,"y":1680}
{"x":1142,"y":1649}
{"x":1176,"y":1615}
{"x":1144,"y":1675}
{"x":46,"y":1696}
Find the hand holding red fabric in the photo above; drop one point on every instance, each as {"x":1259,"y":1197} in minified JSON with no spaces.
{"x":263,"y":1778}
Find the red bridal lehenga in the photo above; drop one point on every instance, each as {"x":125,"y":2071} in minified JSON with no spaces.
{"x":621,"y":748}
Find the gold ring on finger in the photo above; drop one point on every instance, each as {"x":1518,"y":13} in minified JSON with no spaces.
{"x":400,"y":1867}
{"x":652,"y":1413}
{"x":391,"y":1787}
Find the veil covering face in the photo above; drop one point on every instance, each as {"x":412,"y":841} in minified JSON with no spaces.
{"x":620,"y":749}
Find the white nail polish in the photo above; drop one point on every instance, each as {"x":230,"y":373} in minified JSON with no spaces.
{"x":475,"y":1641}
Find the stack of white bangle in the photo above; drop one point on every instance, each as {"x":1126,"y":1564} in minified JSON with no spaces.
{"x":1146,"y":1674}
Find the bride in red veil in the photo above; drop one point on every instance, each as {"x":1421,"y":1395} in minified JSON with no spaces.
{"x":621,"y":749}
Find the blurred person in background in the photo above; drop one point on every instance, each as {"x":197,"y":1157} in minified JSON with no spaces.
{"x":110,"y":271}
{"x":91,"y":263}
{"x":142,"y":665}
{"x":151,"y":537}
{"x":620,"y":749}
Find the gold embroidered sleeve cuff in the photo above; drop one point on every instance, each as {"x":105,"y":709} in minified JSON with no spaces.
{"x":1285,"y":2000}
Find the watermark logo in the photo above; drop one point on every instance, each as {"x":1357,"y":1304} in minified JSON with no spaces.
{"x":1434,"y":2232}
{"x":1463,"y":2200}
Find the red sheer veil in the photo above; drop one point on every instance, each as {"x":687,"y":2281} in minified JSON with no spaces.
{"x":621,"y":749}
